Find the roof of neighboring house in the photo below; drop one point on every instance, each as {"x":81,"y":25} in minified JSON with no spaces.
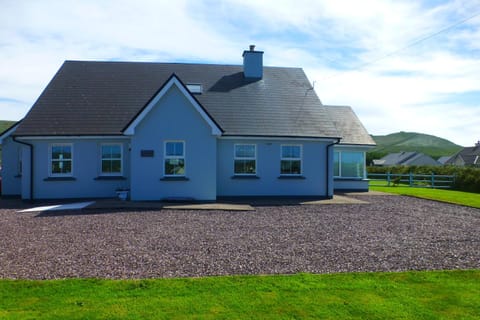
{"x":102,"y":98}
{"x":469,"y":155}
{"x":444,"y":159}
{"x":349,"y":126}
{"x":405,"y":158}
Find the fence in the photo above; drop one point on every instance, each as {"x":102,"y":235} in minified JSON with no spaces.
{"x":412,"y":180}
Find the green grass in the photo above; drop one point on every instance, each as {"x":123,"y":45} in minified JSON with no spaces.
{"x":405,"y":295}
{"x":450,"y":196}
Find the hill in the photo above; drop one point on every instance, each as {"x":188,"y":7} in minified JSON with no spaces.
{"x":412,"y":141}
{"x":4,"y":125}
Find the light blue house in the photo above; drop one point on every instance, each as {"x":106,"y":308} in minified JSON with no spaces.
{"x":182,"y":131}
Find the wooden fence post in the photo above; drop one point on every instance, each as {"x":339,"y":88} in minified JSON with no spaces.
{"x":433,"y":180}
{"x":410,"y":179}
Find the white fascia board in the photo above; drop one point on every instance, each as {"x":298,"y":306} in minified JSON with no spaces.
{"x":7,"y":133}
{"x":130,"y":130}
{"x":73,"y":138}
{"x":286,"y":138}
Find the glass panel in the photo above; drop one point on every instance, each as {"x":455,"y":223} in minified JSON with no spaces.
{"x":106,"y":152}
{"x":111,"y":166}
{"x":245,"y":151}
{"x":353,"y":164}
{"x":290,"y":167}
{"x":61,"y":167}
{"x":116,"y":152}
{"x":245,"y":167}
{"x":290,"y":151}
{"x":174,"y":149}
{"x":174,"y":166}
{"x":336,"y":164}
{"x":61,"y":152}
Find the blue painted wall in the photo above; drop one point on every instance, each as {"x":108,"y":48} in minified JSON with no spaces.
{"x":174,"y":118}
{"x":86,"y":168}
{"x":11,"y":178}
{"x":268,"y":170}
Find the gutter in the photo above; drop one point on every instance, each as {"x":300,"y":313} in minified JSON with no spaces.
{"x":327,"y":167}
{"x":31,"y":163}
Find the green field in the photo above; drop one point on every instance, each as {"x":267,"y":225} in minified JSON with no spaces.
{"x":450,"y":196}
{"x":405,"y":295}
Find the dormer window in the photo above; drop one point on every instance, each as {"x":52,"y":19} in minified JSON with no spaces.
{"x":194,"y":88}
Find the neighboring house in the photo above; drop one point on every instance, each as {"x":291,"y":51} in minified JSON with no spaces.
{"x":406,"y":159}
{"x":182,"y":131}
{"x":469,"y":156}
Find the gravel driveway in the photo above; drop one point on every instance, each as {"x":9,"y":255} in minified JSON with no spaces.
{"x":390,"y":233}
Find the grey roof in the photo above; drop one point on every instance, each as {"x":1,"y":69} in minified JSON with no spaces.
{"x":349,"y":126}
{"x":102,"y":98}
{"x":406,"y":158}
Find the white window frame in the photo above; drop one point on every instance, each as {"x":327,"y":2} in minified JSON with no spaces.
{"x":339,"y":164}
{"x":291,"y":159}
{"x":51,"y":160}
{"x":235,"y":158}
{"x":111,"y":174}
{"x":165,"y":157}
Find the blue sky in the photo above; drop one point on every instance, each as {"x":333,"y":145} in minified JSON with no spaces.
{"x":402,"y":65}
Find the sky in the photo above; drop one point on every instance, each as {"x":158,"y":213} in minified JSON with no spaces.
{"x":403,"y":65}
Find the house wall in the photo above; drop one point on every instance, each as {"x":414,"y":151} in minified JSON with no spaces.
{"x":11,"y":175}
{"x":268,"y":182}
{"x":173,"y":118}
{"x":85,"y":173}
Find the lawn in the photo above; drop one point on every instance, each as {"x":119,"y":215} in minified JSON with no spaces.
{"x":405,"y":295}
{"x":450,"y":196}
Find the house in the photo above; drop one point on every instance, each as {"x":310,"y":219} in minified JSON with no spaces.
{"x":469,"y":156}
{"x":182,"y":131}
{"x":406,"y":159}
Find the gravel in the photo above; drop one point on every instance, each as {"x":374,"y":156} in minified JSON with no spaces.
{"x":390,"y":233}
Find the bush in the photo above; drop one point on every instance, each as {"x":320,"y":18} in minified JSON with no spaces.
{"x":466,"y":178}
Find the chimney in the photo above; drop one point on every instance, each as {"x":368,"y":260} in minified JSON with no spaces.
{"x":253,"y":63}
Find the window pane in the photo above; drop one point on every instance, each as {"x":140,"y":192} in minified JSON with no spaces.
{"x":336,"y":164}
{"x":290,"y":151}
{"x":245,"y":167}
{"x":62,"y":167}
{"x":111,"y":166}
{"x":106,"y":152}
{"x":352,"y":164}
{"x":61,"y":152}
{"x":116,"y":152}
{"x":174,"y":149}
{"x":290,"y":167}
{"x":174,"y":167}
{"x":245,"y":151}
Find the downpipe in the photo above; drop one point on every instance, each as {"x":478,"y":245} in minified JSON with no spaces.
{"x":327,"y":167}
{"x":31,"y":163}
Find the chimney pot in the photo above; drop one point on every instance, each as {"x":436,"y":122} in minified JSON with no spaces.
{"x":252,"y":47}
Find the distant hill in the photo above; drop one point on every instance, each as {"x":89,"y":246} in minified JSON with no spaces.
{"x":411,"y":141}
{"x":4,"y":125}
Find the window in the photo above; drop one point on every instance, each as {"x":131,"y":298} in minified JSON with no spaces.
{"x":61,"y":160}
{"x":111,"y":159}
{"x":174,"y":158}
{"x":291,"y":160}
{"x":245,"y":159}
{"x":349,"y":164}
{"x":194,"y":88}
